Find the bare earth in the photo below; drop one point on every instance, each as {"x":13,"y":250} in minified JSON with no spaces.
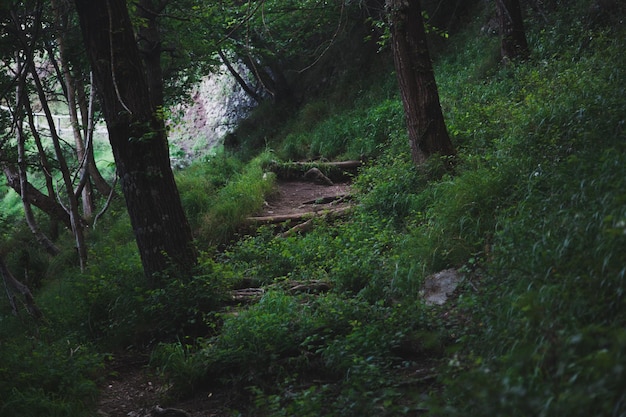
{"x":293,"y":197}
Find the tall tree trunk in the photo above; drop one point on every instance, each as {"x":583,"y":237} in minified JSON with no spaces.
{"x":513,"y":37}
{"x":425,"y":123}
{"x":75,"y":218}
{"x":150,"y":47}
{"x":84,"y":190}
{"x":46,"y":169}
{"x":87,"y":111}
{"x":27,"y":41}
{"x":138,"y":138}
{"x":66,"y":79}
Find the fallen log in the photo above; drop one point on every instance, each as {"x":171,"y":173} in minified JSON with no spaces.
{"x":299,"y":228}
{"x":340,"y":171}
{"x":329,"y":199}
{"x":314,"y":286}
{"x":254,"y":294}
{"x":247,"y":294}
{"x":281,"y":218}
{"x":353,"y":164}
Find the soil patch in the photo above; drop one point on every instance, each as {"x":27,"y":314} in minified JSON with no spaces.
{"x":297,"y":197}
{"x":131,"y":389}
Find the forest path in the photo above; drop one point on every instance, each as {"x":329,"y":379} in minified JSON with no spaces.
{"x":293,"y":198}
{"x":132,"y":389}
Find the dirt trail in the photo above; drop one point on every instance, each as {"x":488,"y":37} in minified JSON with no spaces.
{"x":132,"y":390}
{"x":296,"y":197}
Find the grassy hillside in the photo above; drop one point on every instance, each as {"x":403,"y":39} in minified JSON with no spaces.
{"x":533,"y":217}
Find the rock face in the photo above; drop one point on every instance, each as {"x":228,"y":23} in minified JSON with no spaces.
{"x":217,"y":104}
{"x":438,"y":287}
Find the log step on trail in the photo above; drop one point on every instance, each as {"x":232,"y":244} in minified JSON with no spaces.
{"x":340,"y":171}
{"x":307,"y":215}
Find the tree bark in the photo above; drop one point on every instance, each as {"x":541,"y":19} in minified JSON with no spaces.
{"x":425,"y":123}
{"x":27,"y":42}
{"x":150,"y":47}
{"x":21,"y":98}
{"x":84,"y":189}
{"x":242,"y":83}
{"x":41,"y":238}
{"x":43,"y":202}
{"x":88,"y":118}
{"x":513,"y":37}
{"x":138,"y":138}
{"x":75,"y":219}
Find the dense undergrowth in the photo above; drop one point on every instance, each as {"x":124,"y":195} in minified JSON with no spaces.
{"x":533,"y":215}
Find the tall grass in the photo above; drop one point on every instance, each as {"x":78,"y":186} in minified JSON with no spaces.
{"x":241,"y":197}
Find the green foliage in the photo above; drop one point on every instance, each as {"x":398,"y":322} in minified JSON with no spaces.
{"x":548,"y":337}
{"x":350,"y":134}
{"x":285,"y":338}
{"x":241,"y":197}
{"x":199,"y":183}
{"x":178,"y":363}
{"x":42,"y":374}
{"x":351,"y":256}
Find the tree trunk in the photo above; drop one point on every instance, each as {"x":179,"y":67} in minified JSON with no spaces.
{"x":46,"y":170}
{"x":41,"y":238}
{"x":138,"y":138}
{"x":150,"y":47}
{"x":43,"y":202}
{"x":27,"y":42}
{"x":88,"y":118}
{"x":513,"y":37}
{"x":425,"y":123}
{"x":238,"y":78}
{"x":84,"y":189}
{"x":75,"y":218}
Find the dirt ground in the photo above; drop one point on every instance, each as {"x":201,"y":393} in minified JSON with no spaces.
{"x":297,"y":197}
{"x":132,"y":390}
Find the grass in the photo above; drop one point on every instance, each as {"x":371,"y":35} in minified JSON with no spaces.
{"x":533,"y":216}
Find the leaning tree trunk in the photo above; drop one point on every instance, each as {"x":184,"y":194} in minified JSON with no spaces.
{"x":138,"y":138}
{"x":425,"y":123}
{"x":513,"y":37}
{"x":72,"y":206}
{"x":27,"y":43}
{"x":46,"y":169}
{"x":87,"y":113}
{"x":21,"y":98}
